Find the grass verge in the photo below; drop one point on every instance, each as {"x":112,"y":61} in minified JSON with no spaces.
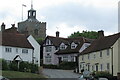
{"x":16,"y":74}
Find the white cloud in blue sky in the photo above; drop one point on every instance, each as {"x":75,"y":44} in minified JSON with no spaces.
{"x":68,"y":15}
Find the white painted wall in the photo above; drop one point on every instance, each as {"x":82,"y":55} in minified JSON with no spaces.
{"x":84,"y":46}
{"x":36,"y":46}
{"x":11,"y":55}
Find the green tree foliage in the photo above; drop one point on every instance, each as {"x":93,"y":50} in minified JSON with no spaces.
{"x":86,"y":34}
{"x":4,"y":65}
{"x":40,"y":40}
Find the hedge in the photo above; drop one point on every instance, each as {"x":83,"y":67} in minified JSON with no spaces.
{"x":23,"y":66}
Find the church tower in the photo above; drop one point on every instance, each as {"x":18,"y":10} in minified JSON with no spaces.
{"x":32,"y":26}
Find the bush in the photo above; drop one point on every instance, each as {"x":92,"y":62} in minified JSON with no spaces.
{"x":13,"y":66}
{"x":4,"y":65}
{"x":24,"y":67}
{"x":67,"y":65}
{"x":50,"y":66}
{"x":34,"y":68}
{"x":28,"y":67}
{"x":104,"y":74}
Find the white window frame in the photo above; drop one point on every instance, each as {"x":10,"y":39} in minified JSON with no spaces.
{"x":48,"y":48}
{"x":48,"y":59}
{"x":101,"y":54}
{"x":108,"y":52}
{"x":8,"y":50}
{"x":73,"y":45}
{"x":25,"y":51}
{"x":65,"y":58}
{"x":108,"y":66}
{"x":62,"y":47}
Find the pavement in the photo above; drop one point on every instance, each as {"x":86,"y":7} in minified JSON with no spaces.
{"x":56,"y":73}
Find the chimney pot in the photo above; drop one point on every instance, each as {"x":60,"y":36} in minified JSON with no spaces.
{"x":3,"y":27}
{"x":57,"y":34}
{"x":100,"y":33}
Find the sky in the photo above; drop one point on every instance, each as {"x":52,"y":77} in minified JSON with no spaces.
{"x":65,"y":16}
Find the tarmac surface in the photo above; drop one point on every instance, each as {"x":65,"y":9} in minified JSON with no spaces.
{"x":56,"y":73}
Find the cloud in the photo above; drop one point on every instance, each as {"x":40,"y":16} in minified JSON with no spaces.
{"x":68,"y":15}
{"x":91,"y":17}
{"x":65,"y":29}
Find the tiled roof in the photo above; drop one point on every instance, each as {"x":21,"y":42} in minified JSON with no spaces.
{"x":67,"y":41}
{"x":15,"y":40}
{"x":101,"y":43}
{"x":11,"y":37}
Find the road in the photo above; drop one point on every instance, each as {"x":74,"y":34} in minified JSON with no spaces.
{"x":56,"y":73}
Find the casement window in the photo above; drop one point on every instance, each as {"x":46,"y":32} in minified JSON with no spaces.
{"x":100,"y":53}
{"x":108,"y":66}
{"x":88,"y":56}
{"x":92,"y":67}
{"x":94,"y":55}
{"x":83,"y":57}
{"x":62,"y":47}
{"x":108,"y":52}
{"x":16,"y":50}
{"x":73,"y":46}
{"x":48,"y":42}
{"x":48,"y":59}
{"x":65,"y":58}
{"x":24,"y":50}
{"x":101,"y":67}
{"x":48,"y":48}
{"x":8,"y":49}
{"x":72,"y":58}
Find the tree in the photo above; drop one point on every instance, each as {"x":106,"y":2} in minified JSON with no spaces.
{"x":86,"y":34}
{"x":40,"y":41}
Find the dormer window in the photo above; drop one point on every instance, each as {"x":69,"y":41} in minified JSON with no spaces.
{"x":62,"y":46}
{"x":48,"y":42}
{"x":73,"y":45}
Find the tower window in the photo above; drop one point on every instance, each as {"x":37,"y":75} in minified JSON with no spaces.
{"x":36,"y":31}
{"x":29,"y":14}
{"x":33,"y":14}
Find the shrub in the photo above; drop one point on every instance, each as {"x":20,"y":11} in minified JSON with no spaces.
{"x":4,"y":65}
{"x":67,"y":65}
{"x":50,"y":66}
{"x":24,"y":67}
{"x":13,"y":66}
{"x":104,"y":74}
{"x":34,"y":68}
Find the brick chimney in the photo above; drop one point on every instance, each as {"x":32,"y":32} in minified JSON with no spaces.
{"x":100,"y":33}
{"x":57,"y":33}
{"x":3,"y":27}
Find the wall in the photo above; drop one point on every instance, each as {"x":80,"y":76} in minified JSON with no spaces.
{"x":69,"y":56}
{"x":12,"y":55}
{"x":116,"y":59}
{"x":92,"y":61}
{"x":36,"y":46}
{"x":31,"y":26}
{"x":54,"y":59}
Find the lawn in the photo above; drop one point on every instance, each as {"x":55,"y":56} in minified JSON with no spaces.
{"x":15,"y":74}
